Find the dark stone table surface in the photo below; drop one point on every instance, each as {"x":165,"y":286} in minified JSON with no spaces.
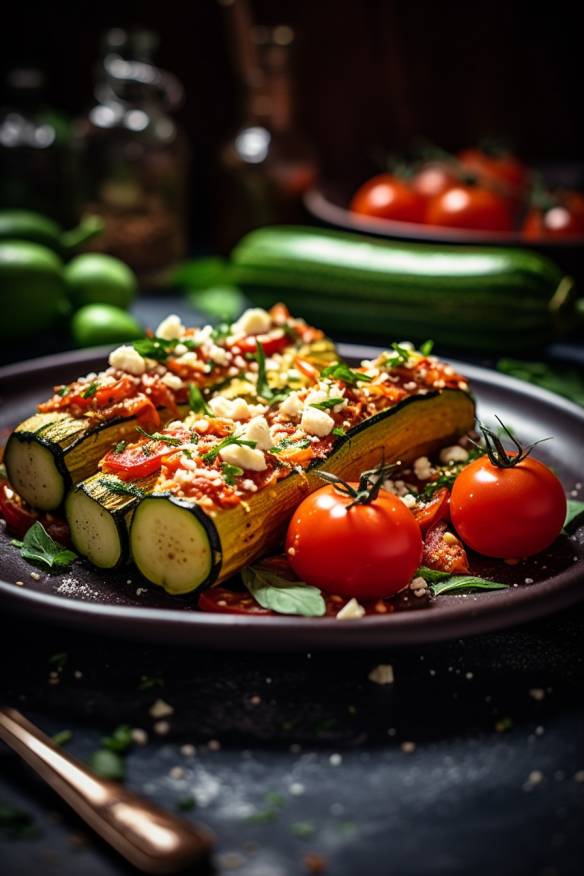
{"x":471,"y":762}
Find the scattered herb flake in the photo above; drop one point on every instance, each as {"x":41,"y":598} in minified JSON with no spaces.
{"x":196,"y":401}
{"x":400,"y":357}
{"x":91,"y":390}
{"x":108,"y":765}
{"x":158,"y":436}
{"x":303,"y":829}
{"x":120,"y":740}
{"x":230,"y":472}
{"x":290,"y":444}
{"x":328,"y":404}
{"x":62,"y":391}
{"x":62,"y":737}
{"x":120,"y":447}
{"x":340,"y":433}
{"x":39,"y":547}
{"x":426,"y":348}
{"x":341,"y":371}
{"x":121,"y":488}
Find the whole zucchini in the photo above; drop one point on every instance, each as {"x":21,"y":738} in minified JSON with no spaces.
{"x":180,"y":546}
{"x":476,"y":297}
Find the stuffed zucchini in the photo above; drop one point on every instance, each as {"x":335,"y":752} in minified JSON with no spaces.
{"x":99,"y":508}
{"x":146,"y":384}
{"x":227,"y":500}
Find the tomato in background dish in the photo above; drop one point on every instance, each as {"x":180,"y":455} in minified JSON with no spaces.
{"x":508,"y":512}
{"x":366,"y":551}
{"x":388,"y":197}
{"x":434,"y":179}
{"x":496,"y":167}
{"x":470,"y":206}
{"x":557,"y":215}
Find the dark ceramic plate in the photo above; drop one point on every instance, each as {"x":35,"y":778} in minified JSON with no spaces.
{"x":123,"y":604}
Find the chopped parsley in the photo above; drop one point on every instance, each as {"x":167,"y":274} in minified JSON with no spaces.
{"x":340,"y":433}
{"x":400,"y":356}
{"x":341,"y":371}
{"x":196,"y":401}
{"x":62,"y":390}
{"x":121,"y":488}
{"x":158,"y":436}
{"x":221,"y":331}
{"x":120,"y":447}
{"x":328,"y":404}
{"x":160,"y":349}
{"x":91,"y":390}
{"x":212,"y":454}
{"x":230,"y":472}
{"x":426,"y":348}
{"x":290,"y":444}
{"x":263,"y":388}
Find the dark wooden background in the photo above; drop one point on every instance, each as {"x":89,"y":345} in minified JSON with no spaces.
{"x":370,"y":74}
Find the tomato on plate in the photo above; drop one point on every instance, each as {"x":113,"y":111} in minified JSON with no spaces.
{"x":364,"y":549}
{"x":508,"y":507}
{"x":562,"y":216}
{"x":434,"y":179}
{"x":496,"y":166}
{"x":388,"y":197}
{"x":18,"y":516}
{"x":470,"y":206}
{"x":429,"y":513}
{"x":141,"y":458}
{"x":443,"y":551}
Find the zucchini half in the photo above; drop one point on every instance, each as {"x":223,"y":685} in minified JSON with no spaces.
{"x":49,"y":452}
{"x":181,"y":547}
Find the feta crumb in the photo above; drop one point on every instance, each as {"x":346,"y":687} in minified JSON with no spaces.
{"x":418,"y":583}
{"x":292,"y":406}
{"x":456,"y":453}
{"x":176,"y":772}
{"x":382,"y":674}
{"x":409,"y":500}
{"x":244,"y":457}
{"x":537,"y":693}
{"x":410,"y":385}
{"x":249,"y":486}
{"x":231,"y":409}
{"x":161,"y":728}
{"x":422,"y":468}
{"x":317,"y":422}
{"x":218,"y":355}
{"x":170,"y":328}
{"x":254,"y":321}
{"x":172,"y":381}
{"x":187,"y":750}
{"x":408,"y":747}
{"x":161,"y":709}
{"x":258,"y":430}
{"x":127,"y":359}
{"x":139,"y":736}
{"x":335,"y":759}
{"x":351,"y":611}
{"x":296,"y":789}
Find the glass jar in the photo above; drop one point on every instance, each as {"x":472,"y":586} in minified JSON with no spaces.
{"x":134,"y":159}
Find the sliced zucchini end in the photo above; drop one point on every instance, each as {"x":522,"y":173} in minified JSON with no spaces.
{"x":172,"y":546}
{"x":33,"y":472}
{"x":96,"y":534}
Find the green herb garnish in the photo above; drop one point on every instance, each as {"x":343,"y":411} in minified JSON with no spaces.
{"x":340,"y":433}
{"x":62,"y":737}
{"x":400,"y":357}
{"x":290,"y":444}
{"x":426,"y":348}
{"x":63,"y":390}
{"x":39,"y":547}
{"x":303,"y":829}
{"x":91,"y":390}
{"x":158,"y":436}
{"x":263,"y":388}
{"x":160,"y":349}
{"x":282,"y":596}
{"x":212,"y":454}
{"x":120,"y":447}
{"x":196,"y":401}
{"x":120,"y":740}
{"x":108,"y":765}
{"x":121,"y":488}
{"x":341,"y":371}
{"x":445,"y":582}
{"x":328,"y":404}
{"x":230,"y":472}
{"x":574,"y":511}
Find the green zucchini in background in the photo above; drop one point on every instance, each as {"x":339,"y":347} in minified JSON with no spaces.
{"x":32,"y":289}
{"x":481,"y":298}
{"x":36,"y":228}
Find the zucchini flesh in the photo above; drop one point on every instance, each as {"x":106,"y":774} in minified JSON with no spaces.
{"x":175,"y":547}
{"x":353,"y":283}
{"x":416,"y":426}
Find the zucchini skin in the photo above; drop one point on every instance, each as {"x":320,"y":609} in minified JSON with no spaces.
{"x":241,"y":534}
{"x":349,"y":282}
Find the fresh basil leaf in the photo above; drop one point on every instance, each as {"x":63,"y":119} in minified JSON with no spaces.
{"x":574,"y":512}
{"x":38,"y":546}
{"x":154,"y":348}
{"x":230,"y":472}
{"x":121,"y":488}
{"x":62,"y":391}
{"x":341,"y":371}
{"x":282,"y":596}
{"x":196,"y":401}
{"x":465,"y":584}
{"x":430,"y":576}
{"x":263,"y":388}
{"x":231,"y":439}
{"x":328,"y":404}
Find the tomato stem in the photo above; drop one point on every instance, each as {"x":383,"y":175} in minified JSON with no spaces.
{"x":370,"y":483}
{"x":498,"y":455}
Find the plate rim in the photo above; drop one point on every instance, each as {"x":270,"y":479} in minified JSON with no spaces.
{"x":550,"y":595}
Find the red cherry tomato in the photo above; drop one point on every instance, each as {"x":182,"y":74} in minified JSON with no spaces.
{"x":141,"y":458}
{"x":432,"y":180}
{"x":431,"y":512}
{"x":498,"y":168}
{"x":470,"y":207}
{"x":508,"y":512}
{"x":557,"y":222}
{"x":443,"y":551}
{"x":367,"y":551}
{"x":19,"y":518}
{"x":272,"y":343}
{"x":387,"y":197}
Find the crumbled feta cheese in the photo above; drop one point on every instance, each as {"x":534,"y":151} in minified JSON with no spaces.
{"x":218,"y":355}
{"x":418,"y":583}
{"x":254,"y":321}
{"x":422,"y":468}
{"x":456,"y":453}
{"x":161,"y":709}
{"x":249,"y":486}
{"x":231,"y":409}
{"x":410,"y":385}
{"x":188,"y":358}
{"x":170,"y":328}
{"x":258,"y":430}
{"x":126,"y":358}
{"x":409,"y":500}
{"x":351,"y":611}
{"x":317,"y":422}
{"x":172,"y":381}
{"x":292,"y":406}
{"x":245,"y":457}
{"x":382,"y":674}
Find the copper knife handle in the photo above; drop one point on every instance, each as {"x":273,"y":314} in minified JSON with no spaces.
{"x":151,"y":839}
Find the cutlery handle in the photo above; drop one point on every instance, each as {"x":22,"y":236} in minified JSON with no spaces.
{"x":151,"y":839}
